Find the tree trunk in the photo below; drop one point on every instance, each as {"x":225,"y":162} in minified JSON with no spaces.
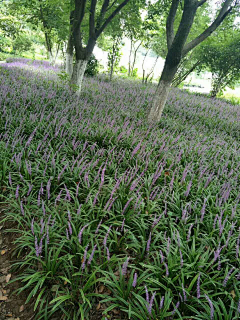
{"x":112,"y":63}
{"x":129,"y":59}
{"x":162,"y":92}
{"x":69,"y":51}
{"x":143,"y":66}
{"x":134,"y":58}
{"x":69,"y":64}
{"x":78,"y":73}
{"x":159,"y":101}
{"x":152,"y":70}
{"x":50,"y":57}
{"x":111,"y":70}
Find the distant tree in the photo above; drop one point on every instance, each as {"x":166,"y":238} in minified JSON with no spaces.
{"x":134,"y":32}
{"x":97,"y":15}
{"x":111,"y":40}
{"x":114,"y":55}
{"x":192,"y":62}
{"x":22,"y":43}
{"x":222,"y":60}
{"x":178,"y":46}
{"x":197,"y":60}
{"x":50,"y":16}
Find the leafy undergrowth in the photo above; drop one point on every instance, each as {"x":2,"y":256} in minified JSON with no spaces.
{"x":118,"y":218}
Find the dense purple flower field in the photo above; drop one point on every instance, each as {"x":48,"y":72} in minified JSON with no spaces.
{"x":118,"y":217}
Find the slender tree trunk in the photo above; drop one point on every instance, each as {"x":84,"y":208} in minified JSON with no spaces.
{"x":134,"y":58}
{"x":69,"y":64}
{"x":47,"y":32}
{"x":179,"y":79}
{"x":111,"y":70}
{"x":143,"y":66}
{"x":112,"y":63}
{"x":69,"y":51}
{"x":152,"y":70}
{"x":54,"y":58}
{"x":50,"y":57}
{"x":48,"y":47}
{"x":78,"y":73}
{"x":129,"y":61}
{"x":162,"y":92}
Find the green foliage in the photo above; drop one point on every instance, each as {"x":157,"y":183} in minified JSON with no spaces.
{"x":57,"y":175}
{"x":123,"y":70}
{"x":221,"y":58}
{"x":134,"y":73}
{"x":114,"y":55}
{"x":22,"y":43}
{"x":92,"y":68}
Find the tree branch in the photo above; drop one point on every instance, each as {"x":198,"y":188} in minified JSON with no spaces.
{"x":92,"y":18}
{"x":109,"y":19}
{"x":79,"y":12}
{"x":170,"y":22}
{"x":224,"y":12}
{"x":102,"y":13}
{"x":112,"y":5}
{"x":200,"y":3}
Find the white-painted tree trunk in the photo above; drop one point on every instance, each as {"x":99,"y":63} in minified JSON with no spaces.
{"x":159,"y":101}
{"x":69,"y":64}
{"x":78,"y":73}
{"x":50,"y":57}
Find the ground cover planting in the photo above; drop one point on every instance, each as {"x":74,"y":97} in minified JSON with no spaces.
{"x":115,"y":218}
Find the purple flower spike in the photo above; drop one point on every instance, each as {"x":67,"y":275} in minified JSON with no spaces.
{"x":238,"y":309}
{"x":189,"y":232}
{"x":124,"y":267}
{"x":149,"y":305}
{"x":167,"y":272}
{"x":161,"y":303}
{"x":188,"y":189}
{"x":148,"y":243}
{"x":79,"y":209}
{"x":67,"y":234}
{"x":203,"y":210}
{"x":181,"y":257}
{"x":99,"y":225}
{"x":43,"y":208}
{"x":69,"y":228}
{"x":17,"y":191}
{"x":176,"y":307}
{"x":36,"y":246}
{"x":126,"y":205}
{"x":227,"y":277}
{"x":184,"y":293}
{"x":22,"y":210}
{"x":106,"y":236}
{"x":147,"y":294}
{"x":32,"y":226}
{"x":48,"y":188}
{"x":47,"y":234}
{"x":80,"y":233}
{"x":92,"y":254}
{"x":108,"y":254}
{"x":85,"y":257}
{"x":10,"y":179}
{"x":198,"y":287}
{"x":161,"y":256}
{"x":211,"y":306}
{"x":122,"y":225}
{"x":134,"y":280}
